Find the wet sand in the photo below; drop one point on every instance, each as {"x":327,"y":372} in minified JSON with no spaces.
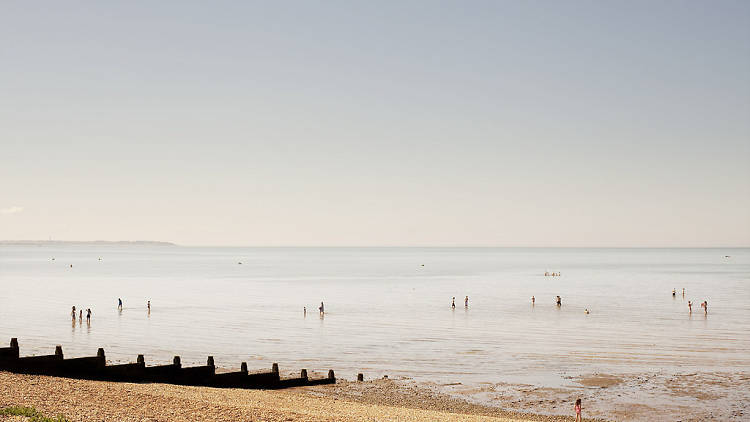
{"x":648,"y":396}
{"x":382,"y":400}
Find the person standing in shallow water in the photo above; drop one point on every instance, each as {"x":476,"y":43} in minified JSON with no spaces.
{"x":690,"y":307}
{"x":533,"y":299}
{"x":453,"y":303}
{"x":466,"y":302}
{"x":73,"y":314}
{"x":88,"y":316}
{"x":80,"y":315}
{"x":322,"y":309}
{"x":559,"y":301}
{"x":119,"y":303}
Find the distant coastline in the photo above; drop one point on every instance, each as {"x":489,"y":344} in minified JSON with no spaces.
{"x":84,"y":242}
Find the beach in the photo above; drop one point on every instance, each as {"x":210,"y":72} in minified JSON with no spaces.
{"x":81,"y":400}
{"x":638,"y":356}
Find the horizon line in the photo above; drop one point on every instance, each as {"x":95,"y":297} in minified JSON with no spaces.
{"x":169,"y":243}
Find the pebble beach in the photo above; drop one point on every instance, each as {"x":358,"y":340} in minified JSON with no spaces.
{"x":381,"y":400}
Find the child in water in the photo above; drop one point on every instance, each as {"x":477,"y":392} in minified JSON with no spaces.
{"x":578,"y":411}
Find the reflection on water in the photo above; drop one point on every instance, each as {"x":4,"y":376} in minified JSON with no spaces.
{"x":386,"y":313}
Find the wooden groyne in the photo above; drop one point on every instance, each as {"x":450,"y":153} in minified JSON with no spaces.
{"x":96,"y":368}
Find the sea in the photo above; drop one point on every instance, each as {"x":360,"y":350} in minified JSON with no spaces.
{"x":388,"y":310}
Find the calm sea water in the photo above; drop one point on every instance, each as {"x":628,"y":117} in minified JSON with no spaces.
{"x":388,"y":309}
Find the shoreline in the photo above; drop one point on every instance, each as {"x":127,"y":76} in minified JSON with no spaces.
{"x":381,"y":400}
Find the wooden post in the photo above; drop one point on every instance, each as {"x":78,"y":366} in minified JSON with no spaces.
{"x":100,"y":353}
{"x":243,"y":367}
{"x":360,"y":377}
{"x":303,"y":374}
{"x":14,"y":343}
{"x":331,"y":375}
{"x":141,"y":359}
{"x":210,"y":361}
{"x":275,"y":368}
{"x":176,"y":362}
{"x":58,"y":351}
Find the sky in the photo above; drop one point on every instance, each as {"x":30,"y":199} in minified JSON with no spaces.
{"x":361,"y":123}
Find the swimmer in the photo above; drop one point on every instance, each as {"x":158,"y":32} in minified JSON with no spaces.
{"x":586,"y":311}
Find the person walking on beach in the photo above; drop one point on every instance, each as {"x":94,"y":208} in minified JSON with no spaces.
{"x":88,"y":316}
{"x":466,"y":302}
{"x":119,"y":303}
{"x":453,"y":303}
{"x":559,"y":301}
{"x":322,"y":309}
{"x":577,"y":408}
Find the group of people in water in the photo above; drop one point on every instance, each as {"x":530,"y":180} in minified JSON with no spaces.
{"x":466,"y":302}
{"x":80,"y":315}
{"x":704,"y":304}
{"x":549,"y":274}
{"x":119,"y":308}
{"x":321,"y":310}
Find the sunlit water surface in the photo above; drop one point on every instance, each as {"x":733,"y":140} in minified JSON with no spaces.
{"x":388,"y":309}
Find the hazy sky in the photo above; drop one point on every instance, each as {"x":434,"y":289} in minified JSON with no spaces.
{"x":377,"y":123}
